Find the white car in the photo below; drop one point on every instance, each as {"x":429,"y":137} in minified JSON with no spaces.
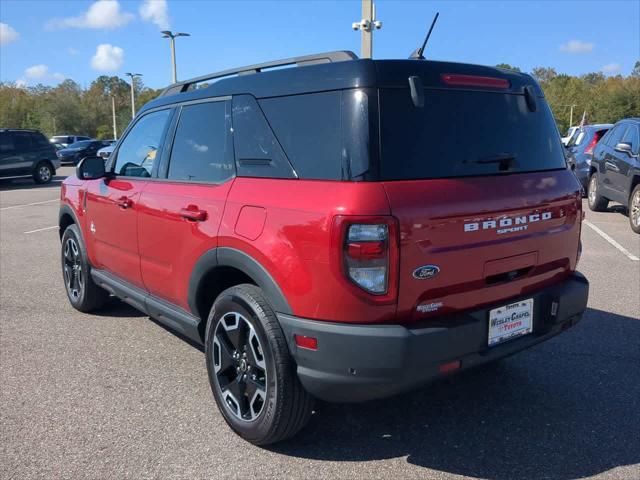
{"x":570,"y":133}
{"x":106,"y":151}
{"x":66,"y":140}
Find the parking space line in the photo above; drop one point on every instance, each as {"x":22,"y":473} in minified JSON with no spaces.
{"x":611,"y":241}
{"x":42,"y":229}
{"x":29,"y":204}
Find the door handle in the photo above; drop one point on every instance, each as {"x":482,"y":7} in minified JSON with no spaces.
{"x":193,"y":213}
{"x":124,"y":202}
{"x":612,"y":166}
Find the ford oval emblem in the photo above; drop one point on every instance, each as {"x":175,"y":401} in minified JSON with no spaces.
{"x":425,"y":272}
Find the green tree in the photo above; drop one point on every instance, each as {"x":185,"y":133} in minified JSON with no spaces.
{"x":506,"y":66}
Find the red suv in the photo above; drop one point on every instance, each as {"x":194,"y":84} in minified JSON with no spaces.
{"x":343,"y":229}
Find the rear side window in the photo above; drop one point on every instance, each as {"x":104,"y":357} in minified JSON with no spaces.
{"x":308,"y":128}
{"x":200,"y":150}
{"x":39,"y":140}
{"x":22,"y":140}
{"x":140,"y":150}
{"x":631,"y":136}
{"x":258,"y":153}
{"x":462,"y":133}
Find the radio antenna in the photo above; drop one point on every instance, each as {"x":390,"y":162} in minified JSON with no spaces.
{"x":418,"y":53}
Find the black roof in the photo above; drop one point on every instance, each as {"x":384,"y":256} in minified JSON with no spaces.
{"x":325,"y":72}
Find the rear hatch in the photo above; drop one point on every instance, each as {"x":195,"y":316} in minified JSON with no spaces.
{"x":477,"y":178}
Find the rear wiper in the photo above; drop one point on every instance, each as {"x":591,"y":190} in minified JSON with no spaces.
{"x":504,"y":159}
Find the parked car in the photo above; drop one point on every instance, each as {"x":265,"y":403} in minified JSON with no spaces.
{"x":27,"y":153}
{"x":580,"y":150}
{"x":615,"y":170}
{"x":570,"y":133}
{"x":66,"y":140}
{"x":107,"y":151}
{"x":339,"y":241}
{"x":58,"y":146}
{"x":77,"y":151}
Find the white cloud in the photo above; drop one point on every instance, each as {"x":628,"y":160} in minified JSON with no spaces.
{"x":59,"y":76}
{"x":107,"y":58}
{"x":7,"y":34}
{"x":576,"y":46}
{"x":21,"y":83}
{"x":156,"y":11}
{"x":72,"y":51}
{"x":37,"y":72}
{"x":611,"y":68}
{"x":104,"y":14}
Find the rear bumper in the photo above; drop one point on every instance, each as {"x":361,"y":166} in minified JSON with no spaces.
{"x":355,"y":363}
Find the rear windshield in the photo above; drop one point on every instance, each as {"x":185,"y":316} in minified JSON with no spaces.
{"x":465,"y":133}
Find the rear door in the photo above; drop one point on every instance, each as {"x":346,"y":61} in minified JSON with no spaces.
{"x":479,"y":184}
{"x":611,"y":173}
{"x":181,"y":212}
{"x":112,"y":203}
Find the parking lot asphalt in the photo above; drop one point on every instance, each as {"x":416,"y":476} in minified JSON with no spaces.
{"x":116,"y":395}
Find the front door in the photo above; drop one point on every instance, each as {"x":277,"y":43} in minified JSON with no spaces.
{"x":179,"y":216}
{"x":112,"y":203}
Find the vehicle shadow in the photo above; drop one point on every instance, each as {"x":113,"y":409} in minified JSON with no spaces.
{"x":27,"y":183}
{"x":565,"y":409}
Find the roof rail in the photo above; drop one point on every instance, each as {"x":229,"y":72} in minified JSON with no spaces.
{"x":326,"y":57}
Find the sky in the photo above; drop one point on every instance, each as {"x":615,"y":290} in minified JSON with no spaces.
{"x":46,"y":41}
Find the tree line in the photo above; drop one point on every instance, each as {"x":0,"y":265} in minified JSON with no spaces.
{"x":70,"y":109}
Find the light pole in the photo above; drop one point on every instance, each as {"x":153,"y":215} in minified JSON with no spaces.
{"x":172,"y":37}
{"x":133,"y":98}
{"x":366,"y":26}
{"x":113,"y":116}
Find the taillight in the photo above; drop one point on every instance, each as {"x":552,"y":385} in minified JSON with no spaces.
{"x":592,"y":144}
{"x":366,"y":256}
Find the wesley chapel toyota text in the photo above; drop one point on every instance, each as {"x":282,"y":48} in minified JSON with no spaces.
{"x":344,"y":229}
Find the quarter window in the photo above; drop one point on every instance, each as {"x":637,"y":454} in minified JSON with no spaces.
{"x":140,"y":150}
{"x":200,"y":152}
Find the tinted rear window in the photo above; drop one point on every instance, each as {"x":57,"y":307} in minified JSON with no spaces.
{"x":455,"y":129}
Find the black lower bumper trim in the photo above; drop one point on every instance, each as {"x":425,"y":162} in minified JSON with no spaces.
{"x":362,"y":362}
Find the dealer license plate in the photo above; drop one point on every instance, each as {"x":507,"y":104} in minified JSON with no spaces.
{"x":510,"y":321}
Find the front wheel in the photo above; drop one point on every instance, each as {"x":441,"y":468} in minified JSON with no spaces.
{"x":252,"y":375}
{"x":634,"y":209}
{"x":43,"y":173}
{"x":596,"y":202}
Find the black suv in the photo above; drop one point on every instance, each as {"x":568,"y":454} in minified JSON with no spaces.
{"x":615,"y":170}
{"x":77,"y":151}
{"x":27,"y":153}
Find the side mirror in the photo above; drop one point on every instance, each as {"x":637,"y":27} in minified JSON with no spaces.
{"x":624,"y":147}
{"x":91,"y":168}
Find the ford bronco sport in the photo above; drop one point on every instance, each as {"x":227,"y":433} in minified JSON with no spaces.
{"x":343,"y":229}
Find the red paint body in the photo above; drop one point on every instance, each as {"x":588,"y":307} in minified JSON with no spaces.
{"x":293,"y":229}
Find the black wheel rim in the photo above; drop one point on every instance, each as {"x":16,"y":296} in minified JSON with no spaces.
{"x":73,"y":278}
{"x":240,"y":366}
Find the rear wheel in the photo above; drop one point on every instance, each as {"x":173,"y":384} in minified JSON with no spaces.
{"x":596,"y":202}
{"x":83,"y":293}
{"x":43,"y":172}
{"x":252,"y":375}
{"x":634,"y":209}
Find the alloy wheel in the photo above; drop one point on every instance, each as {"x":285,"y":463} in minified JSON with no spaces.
{"x":74,"y":280}
{"x":635,"y":209}
{"x":239,"y":366}
{"x":45,"y":173}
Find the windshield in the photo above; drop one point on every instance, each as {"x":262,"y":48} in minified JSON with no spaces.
{"x":462,"y":133}
{"x":82,"y":144}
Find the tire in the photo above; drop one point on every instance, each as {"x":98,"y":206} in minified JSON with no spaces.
{"x":596,"y":202}
{"x":247,"y":357}
{"x":83,"y":293}
{"x":43,"y":173}
{"x":634,"y":209}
